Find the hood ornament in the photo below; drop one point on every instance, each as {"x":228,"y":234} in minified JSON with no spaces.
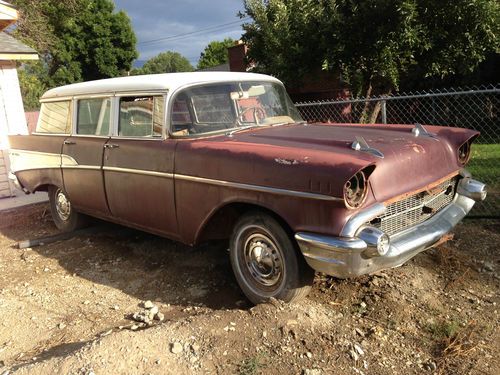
{"x":420,"y":131}
{"x":361,"y":145}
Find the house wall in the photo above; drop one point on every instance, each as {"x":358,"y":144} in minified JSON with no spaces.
{"x":12,"y":120}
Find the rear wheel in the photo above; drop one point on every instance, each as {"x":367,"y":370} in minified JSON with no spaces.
{"x":64,"y":215}
{"x":266,"y":262}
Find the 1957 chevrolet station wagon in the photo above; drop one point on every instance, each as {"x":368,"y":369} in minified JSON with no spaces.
{"x":199,"y":156}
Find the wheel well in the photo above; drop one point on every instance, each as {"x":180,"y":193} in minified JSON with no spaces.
{"x":220,"y":225}
{"x":44,"y":187}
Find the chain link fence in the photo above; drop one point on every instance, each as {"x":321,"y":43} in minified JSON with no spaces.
{"x":474,"y":108}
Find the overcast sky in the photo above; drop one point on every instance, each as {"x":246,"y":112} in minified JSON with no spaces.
{"x":156,"y":19}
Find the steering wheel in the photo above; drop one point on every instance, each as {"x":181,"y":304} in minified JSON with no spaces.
{"x":257,"y":112}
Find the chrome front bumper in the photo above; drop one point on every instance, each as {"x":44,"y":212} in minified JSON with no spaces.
{"x":349,"y":255}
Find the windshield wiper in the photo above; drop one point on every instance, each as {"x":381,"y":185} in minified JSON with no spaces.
{"x":289,"y":123}
{"x":236,"y":130}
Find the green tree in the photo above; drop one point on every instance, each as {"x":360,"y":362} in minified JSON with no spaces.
{"x":215,"y":53}
{"x":78,"y":40}
{"x":286,"y":37}
{"x":373,"y":43}
{"x":165,"y":62}
{"x":32,"y":84}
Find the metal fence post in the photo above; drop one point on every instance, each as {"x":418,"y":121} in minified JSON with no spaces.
{"x":384,"y":111}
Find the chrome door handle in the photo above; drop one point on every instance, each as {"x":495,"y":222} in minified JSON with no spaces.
{"x":110,"y":145}
{"x":66,"y":142}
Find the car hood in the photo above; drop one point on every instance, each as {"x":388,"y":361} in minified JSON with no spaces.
{"x":409,"y":162}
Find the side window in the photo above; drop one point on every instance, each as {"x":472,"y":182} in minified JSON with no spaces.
{"x":55,"y":118}
{"x":141,"y":116}
{"x":181,"y":116}
{"x":93,"y":116}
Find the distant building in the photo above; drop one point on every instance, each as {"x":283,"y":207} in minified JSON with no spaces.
{"x":12,"y":119}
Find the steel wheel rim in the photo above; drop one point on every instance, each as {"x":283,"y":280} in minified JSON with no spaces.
{"x":63,"y":205}
{"x":263,"y":261}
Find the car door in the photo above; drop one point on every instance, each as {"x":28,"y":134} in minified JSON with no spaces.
{"x":84,"y":180}
{"x":139,"y":164}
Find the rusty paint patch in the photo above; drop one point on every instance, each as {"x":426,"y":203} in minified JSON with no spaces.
{"x":418,"y":149}
{"x":428,"y":187}
{"x":286,"y":161}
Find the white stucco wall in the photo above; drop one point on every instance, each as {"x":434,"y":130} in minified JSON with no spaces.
{"x":12,"y":119}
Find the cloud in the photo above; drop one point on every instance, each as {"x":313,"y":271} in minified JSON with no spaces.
{"x":157,"y":19}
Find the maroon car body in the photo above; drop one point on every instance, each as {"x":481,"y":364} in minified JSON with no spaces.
{"x":192,"y":185}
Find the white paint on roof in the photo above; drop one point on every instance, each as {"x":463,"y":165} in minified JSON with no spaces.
{"x":152,"y":82}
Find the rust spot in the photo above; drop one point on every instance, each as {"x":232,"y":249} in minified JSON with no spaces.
{"x":426,"y":188}
{"x":286,"y":161}
{"x":442,"y":240}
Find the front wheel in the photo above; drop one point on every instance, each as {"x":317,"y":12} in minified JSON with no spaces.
{"x":266,"y":262}
{"x":64,"y":215}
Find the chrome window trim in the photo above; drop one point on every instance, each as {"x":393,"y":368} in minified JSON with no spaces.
{"x":56,"y":99}
{"x":119,"y":94}
{"x":120,"y":137}
{"x":72,"y":114}
{"x":52,"y":134}
{"x":89,"y":136}
{"x":74,"y":128}
{"x":171,"y":97}
{"x":116,"y":115}
{"x":94,"y":96}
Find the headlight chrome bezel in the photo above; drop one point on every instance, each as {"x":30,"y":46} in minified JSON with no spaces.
{"x":356,"y":190}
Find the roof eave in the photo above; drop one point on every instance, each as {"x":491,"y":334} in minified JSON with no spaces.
{"x":8,"y":56}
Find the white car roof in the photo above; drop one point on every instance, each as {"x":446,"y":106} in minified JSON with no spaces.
{"x":151,"y":82}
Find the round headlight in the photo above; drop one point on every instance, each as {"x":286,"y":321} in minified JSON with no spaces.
{"x":464,"y":153}
{"x":355,"y":190}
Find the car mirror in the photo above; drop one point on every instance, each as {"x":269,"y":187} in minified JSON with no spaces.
{"x":256,"y":90}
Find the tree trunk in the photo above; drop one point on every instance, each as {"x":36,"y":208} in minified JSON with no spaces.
{"x":364,"y":114}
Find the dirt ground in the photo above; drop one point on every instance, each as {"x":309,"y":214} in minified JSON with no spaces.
{"x":66,"y":308}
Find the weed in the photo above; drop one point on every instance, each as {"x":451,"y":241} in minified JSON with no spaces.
{"x":252,"y":365}
{"x":452,"y":343}
{"x":443,"y":329}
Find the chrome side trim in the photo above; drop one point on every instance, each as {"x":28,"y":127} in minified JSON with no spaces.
{"x":21,"y":160}
{"x":79,"y":166}
{"x":24,"y":160}
{"x":139,"y":171}
{"x":263,"y":189}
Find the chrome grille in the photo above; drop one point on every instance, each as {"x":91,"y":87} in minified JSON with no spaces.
{"x":415,"y":209}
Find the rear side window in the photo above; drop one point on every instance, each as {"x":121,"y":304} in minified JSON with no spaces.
{"x":141,"y":116}
{"x":93,"y":116}
{"x":55,"y":118}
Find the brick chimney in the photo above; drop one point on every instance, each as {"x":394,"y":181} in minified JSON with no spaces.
{"x":237,"y":55}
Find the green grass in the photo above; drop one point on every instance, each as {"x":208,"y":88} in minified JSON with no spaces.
{"x":485,"y":164}
{"x":443,"y":329}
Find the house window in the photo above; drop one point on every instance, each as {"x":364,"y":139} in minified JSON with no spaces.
{"x":141,"y":116}
{"x":94,"y":116}
{"x":55,"y":118}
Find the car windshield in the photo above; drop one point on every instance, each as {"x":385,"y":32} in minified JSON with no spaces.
{"x":231,"y":106}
